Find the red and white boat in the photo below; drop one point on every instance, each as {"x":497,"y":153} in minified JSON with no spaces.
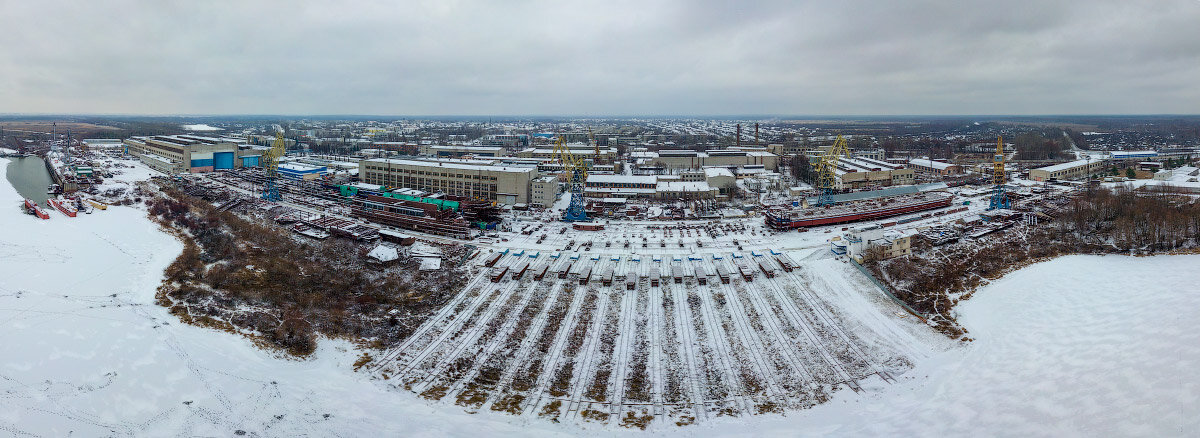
{"x":62,"y":206}
{"x":784,"y":218}
{"x":33,"y":209}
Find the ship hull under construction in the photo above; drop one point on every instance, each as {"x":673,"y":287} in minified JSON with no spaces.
{"x":841,"y":214}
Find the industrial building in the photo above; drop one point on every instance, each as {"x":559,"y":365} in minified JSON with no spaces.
{"x":1132,"y":155}
{"x":301,"y":172}
{"x":455,"y":151}
{"x":607,"y":155}
{"x":932,"y":167}
{"x":172,"y":154}
{"x":649,"y":186}
{"x":474,"y":179}
{"x":543,"y":191}
{"x":859,"y":241}
{"x":689,"y":159}
{"x":860,"y":172}
{"x":1069,"y":170}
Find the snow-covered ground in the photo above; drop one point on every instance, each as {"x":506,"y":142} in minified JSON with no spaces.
{"x":87,"y":352}
{"x":201,"y":127}
{"x":1078,"y":346}
{"x":1081,"y":346}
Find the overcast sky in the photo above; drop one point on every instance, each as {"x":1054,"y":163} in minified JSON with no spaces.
{"x":610,"y":57}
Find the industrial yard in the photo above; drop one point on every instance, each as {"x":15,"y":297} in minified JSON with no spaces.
{"x":570,"y":286}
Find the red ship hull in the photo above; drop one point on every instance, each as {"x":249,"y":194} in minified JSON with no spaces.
{"x":61,"y":207}
{"x":787,"y":223}
{"x":32,"y":207}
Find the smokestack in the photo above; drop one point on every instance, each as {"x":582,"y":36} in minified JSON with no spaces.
{"x":756,"y":143}
{"x":738,"y":141}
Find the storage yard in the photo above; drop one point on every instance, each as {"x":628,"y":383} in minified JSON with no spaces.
{"x":619,"y":337}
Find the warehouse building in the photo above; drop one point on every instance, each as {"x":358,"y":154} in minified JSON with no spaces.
{"x":468,"y":178}
{"x":301,"y":172}
{"x":579,"y":151}
{"x":1069,"y":170}
{"x":859,"y":172}
{"x":455,"y":151}
{"x":689,"y":159}
{"x":1132,"y":155}
{"x":933,"y":167}
{"x":664,"y":187}
{"x":173,"y":154}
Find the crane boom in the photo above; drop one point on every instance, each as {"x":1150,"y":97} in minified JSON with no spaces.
{"x":826,"y":171}
{"x":576,"y":173}
{"x":270,"y":164}
{"x":999,"y":198}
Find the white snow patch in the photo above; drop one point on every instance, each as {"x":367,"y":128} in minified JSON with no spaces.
{"x":201,"y":127}
{"x":1078,"y":346}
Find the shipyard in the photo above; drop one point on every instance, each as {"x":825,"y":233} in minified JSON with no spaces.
{"x":547,"y":219}
{"x":571,"y":281}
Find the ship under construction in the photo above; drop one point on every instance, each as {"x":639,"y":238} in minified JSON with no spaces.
{"x":786,"y":217}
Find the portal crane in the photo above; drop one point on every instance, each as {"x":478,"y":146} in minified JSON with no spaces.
{"x":999,"y":198}
{"x":576,"y":173}
{"x":826,"y":171}
{"x":270,"y":163}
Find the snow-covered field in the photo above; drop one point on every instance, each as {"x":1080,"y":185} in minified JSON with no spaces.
{"x":1079,"y":346}
{"x":201,"y":127}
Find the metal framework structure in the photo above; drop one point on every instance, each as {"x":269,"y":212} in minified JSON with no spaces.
{"x":576,"y":173}
{"x":826,"y":175}
{"x":999,"y":199}
{"x":270,"y":164}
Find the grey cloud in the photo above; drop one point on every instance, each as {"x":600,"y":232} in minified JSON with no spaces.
{"x":600,"y":57}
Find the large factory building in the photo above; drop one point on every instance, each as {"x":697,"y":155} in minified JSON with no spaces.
{"x":473,"y":179}
{"x":173,"y":154}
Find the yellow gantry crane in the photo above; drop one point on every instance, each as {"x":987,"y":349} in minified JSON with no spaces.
{"x":270,"y":164}
{"x":826,"y":171}
{"x":576,"y":172}
{"x":999,"y":198}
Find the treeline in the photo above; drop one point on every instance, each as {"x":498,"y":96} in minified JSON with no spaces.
{"x":250,"y":276}
{"x":1101,"y":221}
{"x":1041,"y":145}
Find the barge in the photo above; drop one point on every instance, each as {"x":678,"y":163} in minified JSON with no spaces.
{"x":33,"y":209}
{"x":62,"y":206}
{"x":785,"y":218}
